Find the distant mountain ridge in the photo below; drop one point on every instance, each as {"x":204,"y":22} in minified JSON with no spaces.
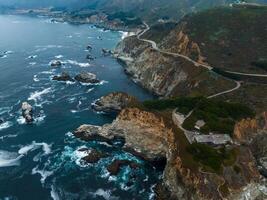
{"x":149,"y":10}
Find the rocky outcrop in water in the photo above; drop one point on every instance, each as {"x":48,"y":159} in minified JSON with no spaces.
{"x":106,"y":52}
{"x":150,"y":136}
{"x":56,"y":63}
{"x":115,"y":167}
{"x":27,"y":112}
{"x":86,"y":77}
{"x":113,"y":102}
{"x":63,"y":77}
{"x":143,"y":132}
{"x":94,"y":156}
{"x":89,"y":57}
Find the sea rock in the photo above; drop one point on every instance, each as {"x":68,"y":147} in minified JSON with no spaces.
{"x":1,"y":121}
{"x":114,"y":102}
{"x":56,"y":63}
{"x":86,"y":77}
{"x":27,"y":112}
{"x":89,"y":47}
{"x":94,"y":156}
{"x":144,"y":133}
{"x":63,"y":77}
{"x":89,"y":57}
{"x":89,"y":133}
{"x":106,"y":52}
{"x":115,"y":167}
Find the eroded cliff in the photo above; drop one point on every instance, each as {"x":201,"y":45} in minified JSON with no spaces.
{"x":153,"y":137}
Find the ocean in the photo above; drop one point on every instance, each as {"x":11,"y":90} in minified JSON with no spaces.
{"x":41,"y":161}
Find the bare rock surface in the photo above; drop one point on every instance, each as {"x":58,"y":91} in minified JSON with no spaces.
{"x":63,"y":77}
{"x":113,"y":102}
{"x":86,"y":77}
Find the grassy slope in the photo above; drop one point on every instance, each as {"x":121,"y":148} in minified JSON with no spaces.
{"x":230,"y":38}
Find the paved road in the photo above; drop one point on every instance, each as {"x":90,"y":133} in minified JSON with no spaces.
{"x":155,"y":47}
{"x":238,"y":85}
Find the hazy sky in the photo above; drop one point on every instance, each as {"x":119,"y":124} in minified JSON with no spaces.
{"x":40,"y":2}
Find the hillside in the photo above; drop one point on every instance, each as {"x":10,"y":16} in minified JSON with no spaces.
{"x":226,"y":38}
{"x":232,"y":39}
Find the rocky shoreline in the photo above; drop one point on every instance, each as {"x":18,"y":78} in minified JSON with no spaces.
{"x":150,"y":137}
{"x":147,"y":135}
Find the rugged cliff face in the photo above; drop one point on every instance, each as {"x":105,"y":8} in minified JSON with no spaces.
{"x":167,"y":75}
{"x":247,"y":129}
{"x":253,"y":132}
{"x":143,"y":132}
{"x":150,"y":136}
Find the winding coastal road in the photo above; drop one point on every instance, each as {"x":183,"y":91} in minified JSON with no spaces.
{"x":155,"y":47}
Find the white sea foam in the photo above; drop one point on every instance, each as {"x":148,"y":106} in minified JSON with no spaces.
{"x":8,"y":159}
{"x":35,"y":79}
{"x":8,"y":136}
{"x":35,"y":145}
{"x":48,"y":72}
{"x":50,"y":46}
{"x":80,"y":64}
{"x":90,"y":90}
{"x":152,"y":194}
{"x":54,"y":194}
{"x":38,"y":120}
{"x":8,"y":52}
{"x":5,"y":125}
{"x":78,"y":155}
{"x":3,"y":56}
{"x":21,"y":120}
{"x":126,"y":34}
{"x":32,"y":56}
{"x":44,"y":173}
{"x":4,"y":110}
{"x":69,"y":134}
{"x":59,"y":56}
{"x":105,"y":194}
{"x":38,"y":94}
{"x":32,"y":63}
{"x":70,"y":82}
{"x":100,"y":83}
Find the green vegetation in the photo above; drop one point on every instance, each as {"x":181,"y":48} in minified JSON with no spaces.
{"x":219,"y":116}
{"x":184,"y":104}
{"x":157,"y":32}
{"x":236,"y":77}
{"x":210,"y":157}
{"x":261,"y":63}
{"x":220,"y":30}
{"x":127,"y":18}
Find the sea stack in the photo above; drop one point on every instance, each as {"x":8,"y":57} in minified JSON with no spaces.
{"x":86,"y":77}
{"x":27,"y":112}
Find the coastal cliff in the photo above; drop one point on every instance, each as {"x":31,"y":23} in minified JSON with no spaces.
{"x":153,"y":137}
{"x":166,"y":75}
